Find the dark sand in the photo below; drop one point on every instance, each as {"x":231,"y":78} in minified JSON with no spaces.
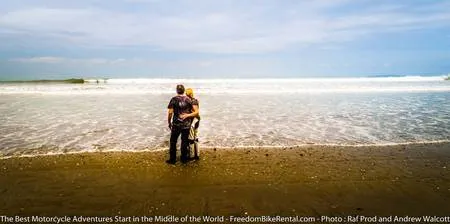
{"x":312,"y":180}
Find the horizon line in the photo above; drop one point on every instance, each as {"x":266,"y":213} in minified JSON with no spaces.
{"x":93,"y":79}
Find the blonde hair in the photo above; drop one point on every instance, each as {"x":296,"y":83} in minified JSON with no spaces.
{"x":190,"y":92}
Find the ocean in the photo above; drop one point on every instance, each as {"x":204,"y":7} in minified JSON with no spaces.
{"x":131,"y":114}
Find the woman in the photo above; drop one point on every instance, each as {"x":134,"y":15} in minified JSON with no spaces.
{"x":193,"y":140}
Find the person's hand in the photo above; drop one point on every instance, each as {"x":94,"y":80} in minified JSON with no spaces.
{"x":184,"y":116}
{"x":170,"y":126}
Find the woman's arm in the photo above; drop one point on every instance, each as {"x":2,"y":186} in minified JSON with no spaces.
{"x":193,"y":114}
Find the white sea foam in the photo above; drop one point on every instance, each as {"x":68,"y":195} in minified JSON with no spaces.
{"x":237,"y":86}
{"x":131,"y":114}
{"x":283,"y":80}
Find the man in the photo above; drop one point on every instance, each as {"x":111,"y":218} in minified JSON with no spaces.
{"x":180,"y":114}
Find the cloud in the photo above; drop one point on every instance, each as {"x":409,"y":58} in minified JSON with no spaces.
{"x":63,"y":60}
{"x":114,"y":61}
{"x":49,"y":60}
{"x":202,"y":26}
{"x":231,"y":67}
{"x":192,"y":63}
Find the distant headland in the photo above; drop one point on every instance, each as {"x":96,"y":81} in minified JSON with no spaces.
{"x":69,"y":81}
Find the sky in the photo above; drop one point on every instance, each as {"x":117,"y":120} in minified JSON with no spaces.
{"x":53,"y":39}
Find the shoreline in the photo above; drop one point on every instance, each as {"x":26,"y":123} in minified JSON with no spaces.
{"x":262,"y":147}
{"x":311,"y":180}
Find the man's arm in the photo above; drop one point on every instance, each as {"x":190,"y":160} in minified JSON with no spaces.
{"x":193,"y":114}
{"x":169,"y":117}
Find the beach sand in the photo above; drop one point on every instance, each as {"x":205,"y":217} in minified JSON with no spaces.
{"x":307,"y":181}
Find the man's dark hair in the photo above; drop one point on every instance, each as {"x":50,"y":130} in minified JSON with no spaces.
{"x":180,"y":89}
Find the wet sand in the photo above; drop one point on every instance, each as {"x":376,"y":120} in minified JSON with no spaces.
{"x":310,"y":180}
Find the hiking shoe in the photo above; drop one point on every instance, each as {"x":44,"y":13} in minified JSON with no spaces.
{"x":184,"y":160}
{"x":171,"y":161}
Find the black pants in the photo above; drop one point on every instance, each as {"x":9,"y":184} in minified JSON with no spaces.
{"x":185,"y":152}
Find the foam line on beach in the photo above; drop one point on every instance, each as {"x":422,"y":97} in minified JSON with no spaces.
{"x":328,"y":145}
{"x":287,"y":80}
{"x":80,"y":152}
{"x":230,"y":91}
{"x":262,"y":147}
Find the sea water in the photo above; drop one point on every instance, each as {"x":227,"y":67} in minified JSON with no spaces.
{"x":131,"y":114}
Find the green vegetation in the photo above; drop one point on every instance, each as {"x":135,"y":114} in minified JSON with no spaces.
{"x":71,"y":81}
{"x":74,"y":81}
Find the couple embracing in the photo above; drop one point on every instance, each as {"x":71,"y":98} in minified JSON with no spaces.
{"x":184,"y":119}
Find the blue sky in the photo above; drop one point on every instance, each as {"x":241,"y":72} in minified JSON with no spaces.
{"x":208,"y":39}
